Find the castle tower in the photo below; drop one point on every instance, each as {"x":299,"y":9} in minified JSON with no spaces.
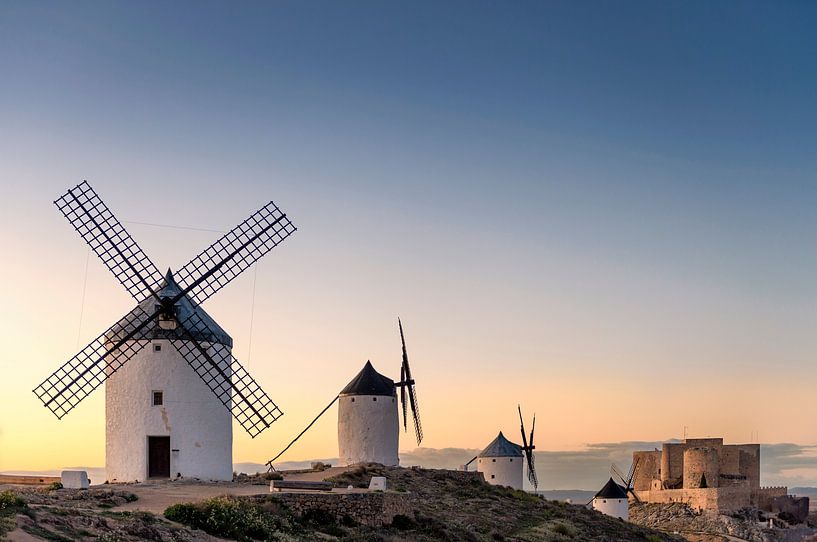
{"x":368,"y":425}
{"x":161,"y":420}
{"x":612,"y":501}
{"x":501,"y":463}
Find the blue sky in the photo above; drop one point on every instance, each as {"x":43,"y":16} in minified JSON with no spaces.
{"x":564,"y":201}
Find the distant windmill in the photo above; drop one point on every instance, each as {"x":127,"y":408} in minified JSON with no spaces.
{"x":368,"y":419}
{"x":164,"y":411}
{"x":626,"y":481}
{"x":502,"y":461}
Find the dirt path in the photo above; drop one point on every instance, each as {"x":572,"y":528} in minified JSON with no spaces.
{"x":157,"y":496}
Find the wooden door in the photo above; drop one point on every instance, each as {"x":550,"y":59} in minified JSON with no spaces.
{"x":158,"y":457}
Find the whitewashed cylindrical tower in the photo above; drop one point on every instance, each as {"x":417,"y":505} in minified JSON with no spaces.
{"x":368,"y":426}
{"x":161,"y":420}
{"x":612,"y":501}
{"x":502,"y":463}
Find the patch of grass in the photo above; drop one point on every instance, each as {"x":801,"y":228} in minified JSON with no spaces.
{"x":11,"y":504}
{"x":563,"y":528}
{"x":45,"y":534}
{"x":53,"y":486}
{"x":226,"y":517}
{"x":10,"y":501}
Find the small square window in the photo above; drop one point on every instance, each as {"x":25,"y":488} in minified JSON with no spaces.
{"x":157,"y":347}
{"x":493,"y":460}
{"x":493,"y":476}
{"x":374,"y":398}
{"x":512,"y":460}
{"x":158,"y":398}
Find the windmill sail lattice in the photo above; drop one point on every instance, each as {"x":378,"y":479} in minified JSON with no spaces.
{"x":109,"y":240}
{"x":527,"y":448}
{"x":207,"y":273}
{"x":407,"y":382}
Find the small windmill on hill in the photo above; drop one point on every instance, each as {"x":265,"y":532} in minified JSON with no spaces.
{"x":368,"y":419}
{"x":165,"y":409}
{"x":626,"y":481}
{"x":502,"y":461}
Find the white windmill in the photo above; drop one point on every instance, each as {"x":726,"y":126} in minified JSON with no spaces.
{"x":164,"y":409}
{"x":368,"y":422}
{"x":502,"y":462}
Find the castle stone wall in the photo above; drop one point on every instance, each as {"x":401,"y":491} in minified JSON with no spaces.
{"x":701,"y":467}
{"x":649,"y":469}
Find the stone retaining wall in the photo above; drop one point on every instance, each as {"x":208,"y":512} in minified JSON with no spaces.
{"x":374,"y":509}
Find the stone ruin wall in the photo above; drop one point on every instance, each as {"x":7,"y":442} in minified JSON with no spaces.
{"x":373,"y":509}
{"x":723,"y":499}
{"x":649,"y":469}
{"x":732,"y":474}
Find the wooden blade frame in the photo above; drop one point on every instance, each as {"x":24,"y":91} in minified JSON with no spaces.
{"x":233,"y":253}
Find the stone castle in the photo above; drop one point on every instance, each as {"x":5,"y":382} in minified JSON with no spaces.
{"x":706,"y":474}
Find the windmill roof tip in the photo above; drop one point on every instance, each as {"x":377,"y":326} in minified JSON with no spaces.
{"x":369,"y":382}
{"x":501,"y":447}
{"x":611,"y":490}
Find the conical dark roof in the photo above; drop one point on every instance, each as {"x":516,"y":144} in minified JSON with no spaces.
{"x":501,"y":447}
{"x":205,"y":328}
{"x":612,"y":490}
{"x":369,"y":382}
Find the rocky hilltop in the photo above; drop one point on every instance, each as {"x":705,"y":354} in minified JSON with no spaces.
{"x":436,"y":505}
{"x":747,"y":525}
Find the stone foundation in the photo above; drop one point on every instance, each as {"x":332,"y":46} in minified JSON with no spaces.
{"x":373,"y":509}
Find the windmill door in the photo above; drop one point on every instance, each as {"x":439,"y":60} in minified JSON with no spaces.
{"x":158,"y":457}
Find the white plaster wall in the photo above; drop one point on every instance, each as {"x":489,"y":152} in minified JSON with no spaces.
{"x":199,"y":425}
{"x":502,"y":471}
{"x":368,"y":429}
{"x":617,"y":508}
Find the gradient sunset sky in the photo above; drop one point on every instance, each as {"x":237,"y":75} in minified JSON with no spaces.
{"x":604,"y":211}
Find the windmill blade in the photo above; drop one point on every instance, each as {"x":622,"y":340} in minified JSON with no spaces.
{"x":407,"y":381}
{"x":106,"y":236}
{"x":633,"y":471}
{"x":242,"y":246}
{"x":522,"y":428}
{"x":615,"y":471}
{"x":415,"y":413}
{"x":532,"y":429}
{"x":532,"y":470}
{"x":105,"y":355}
{"x":403,"y":402}
{"x":227,"y":378}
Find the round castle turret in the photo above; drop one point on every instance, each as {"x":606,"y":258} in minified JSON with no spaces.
{"x":701,"y":468}
{"x":501,"y":463}
{"x":368,"y":425}
{"x":161,"y":420}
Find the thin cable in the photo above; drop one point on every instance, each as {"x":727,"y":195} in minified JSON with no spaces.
{"x":252,"y":311}
{"x":300,"y":434}
{"x":82,"y":303}
{"x":171,"y":226}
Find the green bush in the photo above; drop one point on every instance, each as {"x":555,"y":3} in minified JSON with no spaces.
{"x":563,"y":528}
{"x":273,"y":476}
{"x":226,"y":517}
{"x":54,"y":486}
{"x":402,"y":522}
{"x":10,"y":501}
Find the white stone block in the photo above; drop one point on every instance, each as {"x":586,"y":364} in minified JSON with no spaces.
{"x":378,"y":483}
{"x":75,"y":479}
